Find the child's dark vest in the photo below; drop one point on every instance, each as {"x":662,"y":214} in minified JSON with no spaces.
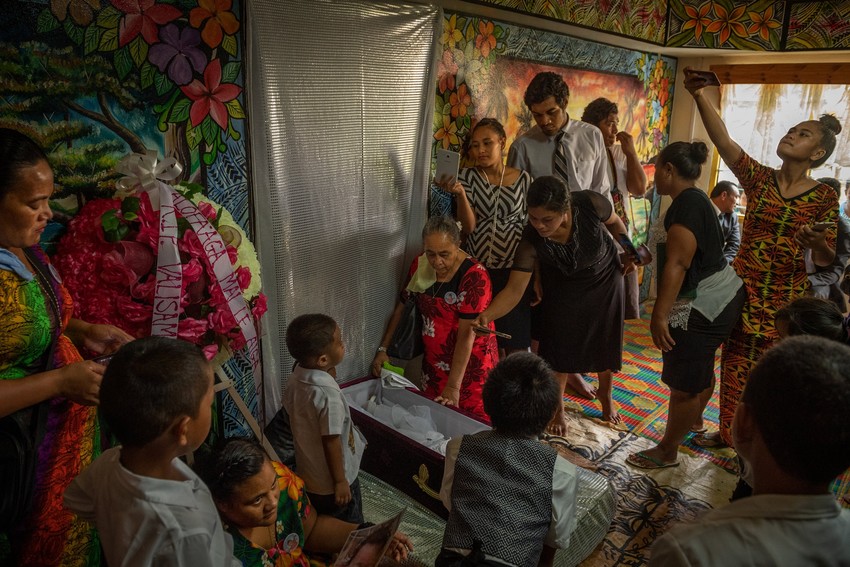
{"x":502,"y":496}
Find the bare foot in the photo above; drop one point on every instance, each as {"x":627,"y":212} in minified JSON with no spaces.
{"x":709,"y":440}
{"x":609,"y":412}
{"x":698,"y":426}
{"x":582,"y":388}
{"x":558,"y":425}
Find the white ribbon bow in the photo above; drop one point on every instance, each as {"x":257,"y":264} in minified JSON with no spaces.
{"x":143,"y":170}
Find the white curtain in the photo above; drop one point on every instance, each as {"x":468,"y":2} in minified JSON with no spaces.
{"x":340,"y":108}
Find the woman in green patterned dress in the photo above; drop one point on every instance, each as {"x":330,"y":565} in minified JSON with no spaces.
{"x":35,"y":313}
{"x":265,"y":508}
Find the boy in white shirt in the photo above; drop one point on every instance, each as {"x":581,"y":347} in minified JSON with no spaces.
{"x":791,"y":429}
{"x":148,"y":506}
{"x":328,"y":447}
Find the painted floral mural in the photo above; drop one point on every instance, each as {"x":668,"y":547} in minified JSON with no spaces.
{"x":642,"y":19}
{"x":124,"y":75}
{"x":726,"y":24}
{"x":485,"y":66}
{"x":819,"y":25}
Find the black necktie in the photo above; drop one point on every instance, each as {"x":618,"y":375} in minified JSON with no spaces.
{"x":560,"y":158}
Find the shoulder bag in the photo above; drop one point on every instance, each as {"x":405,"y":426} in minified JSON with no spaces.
{"x":407,"y":342}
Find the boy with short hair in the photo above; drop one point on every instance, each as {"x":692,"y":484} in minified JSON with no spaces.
{"x":485,"y":528}
{"x":792,"y":430}
{"x":328,"y":447}
{"x":148,"y":506}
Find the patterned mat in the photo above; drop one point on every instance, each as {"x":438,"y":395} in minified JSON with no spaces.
{"x":642,"y":400}
{"x":642,"y":397}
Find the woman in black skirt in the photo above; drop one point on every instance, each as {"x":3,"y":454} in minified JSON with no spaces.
{"x":581,"y":274}
{"x":699,"y":299}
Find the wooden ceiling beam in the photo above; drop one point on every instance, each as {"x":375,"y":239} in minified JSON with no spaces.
{"x":802,"y":73}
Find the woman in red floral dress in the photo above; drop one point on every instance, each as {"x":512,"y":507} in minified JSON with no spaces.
{"x":452,"y":289}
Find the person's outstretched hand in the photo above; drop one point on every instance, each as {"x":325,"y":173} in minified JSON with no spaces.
{"x":104,"y":339}
{"x":694,"y":81}
{"x":378,"y":362}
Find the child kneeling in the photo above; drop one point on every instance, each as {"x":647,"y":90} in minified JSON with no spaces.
{"x":508,"y":494}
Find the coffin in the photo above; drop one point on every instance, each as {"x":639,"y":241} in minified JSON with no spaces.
{"x":396,"y":459}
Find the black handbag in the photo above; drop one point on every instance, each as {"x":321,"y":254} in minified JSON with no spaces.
{"x":407,"y":342}
{"x":20,"y":436}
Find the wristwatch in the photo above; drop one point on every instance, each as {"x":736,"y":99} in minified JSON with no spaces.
{"x":382,"y":349}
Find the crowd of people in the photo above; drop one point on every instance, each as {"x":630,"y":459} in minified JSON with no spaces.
{"x":538,"y":251}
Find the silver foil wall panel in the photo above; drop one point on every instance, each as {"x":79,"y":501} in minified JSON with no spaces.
{"x":340,"y":109}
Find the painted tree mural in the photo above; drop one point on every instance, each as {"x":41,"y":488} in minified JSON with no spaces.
{"x":98,"y":79}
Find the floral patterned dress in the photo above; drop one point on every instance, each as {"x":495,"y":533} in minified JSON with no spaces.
{"x":292,"y":509}
{"x":52,"y":535}
{"x":772,"y":266}
{"x":442,"y":306}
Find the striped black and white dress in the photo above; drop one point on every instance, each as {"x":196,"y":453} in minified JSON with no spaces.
{"x":500,"y":216}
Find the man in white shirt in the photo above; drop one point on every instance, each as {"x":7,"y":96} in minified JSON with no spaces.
{"x":582,"y":144}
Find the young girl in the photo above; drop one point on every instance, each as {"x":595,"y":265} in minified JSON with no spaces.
{"x":490,"y":201}
{"x":265,"y":509}
{"x":789,"y":217}
{"x":484,"y":528}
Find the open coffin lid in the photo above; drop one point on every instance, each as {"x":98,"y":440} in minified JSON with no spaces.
{"x":410,"y":466}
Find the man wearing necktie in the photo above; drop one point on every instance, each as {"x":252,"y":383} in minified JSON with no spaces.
{"x":569,"y":149}
{"x":725,"y":197}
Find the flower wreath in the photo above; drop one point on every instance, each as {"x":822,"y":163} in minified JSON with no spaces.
{"x":108,"y":262}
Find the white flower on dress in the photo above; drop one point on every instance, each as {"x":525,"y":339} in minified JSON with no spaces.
{"x":443,"y":366}
{"x":428,"y":326}
{"x":461,"y":296}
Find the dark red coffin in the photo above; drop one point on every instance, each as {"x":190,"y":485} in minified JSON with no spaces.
{"x":397,"y":459}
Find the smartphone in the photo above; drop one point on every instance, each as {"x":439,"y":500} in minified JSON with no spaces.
{"x":710,"y":77}
{"x":822,"y":226}
{"x":640,"y":255}
{"x":481,"y":329}
{"x":448,"y":165}
{"x":103,"y":358}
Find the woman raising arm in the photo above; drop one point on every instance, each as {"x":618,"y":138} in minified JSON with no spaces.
{"x":778,"y":232}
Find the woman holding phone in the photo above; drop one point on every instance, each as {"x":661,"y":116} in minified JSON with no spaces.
{"x":490,"y":199}
{"x":790,"y":221}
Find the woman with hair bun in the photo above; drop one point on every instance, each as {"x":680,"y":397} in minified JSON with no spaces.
{"x":699,"y":298}
{"x":790,"y":222}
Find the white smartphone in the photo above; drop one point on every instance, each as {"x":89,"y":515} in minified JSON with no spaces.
{"x":448,"y":165}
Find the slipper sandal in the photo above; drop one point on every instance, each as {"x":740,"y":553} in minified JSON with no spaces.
{"x":643,"y":461}
{"x":708,"y":440}
{"x":701,"y":431}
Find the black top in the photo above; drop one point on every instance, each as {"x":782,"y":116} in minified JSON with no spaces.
{"x":693,"y":210}
{"x":588,"y":244}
